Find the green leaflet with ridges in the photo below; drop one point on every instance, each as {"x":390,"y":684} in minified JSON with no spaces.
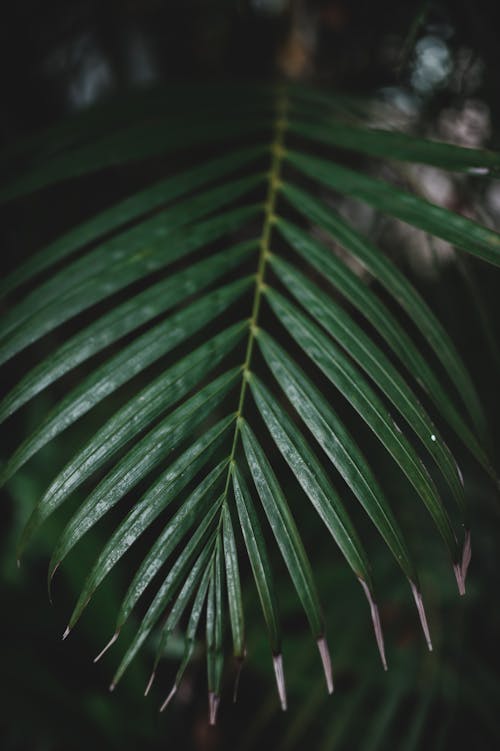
{"x":284,"y":529}
{"x":336,"y":442}
{"x":214,"y":631}
{"x":399,"y":288}
{"x":312,"y":479}
{"x":351,"y":384}
{"x":259,"y":561}
{"x":235,"y":603}
{"x":191,"y":629}
{"x":143,"y":457}
{"x":341,"y":327}
{"x":32,"y":320}
{"x":219,"y":616}
{"x":179,"y":571}
{"x":388,"y":144}
{"x":210,"y":629}
{"x":138,"y":413}
{"x":192,"y":626}
{"x":199,"y":571}
{"x":367,"y":302}
{"x":455,"y":229}
{"x":123,"y":319}
{"x":126,"y":211}
{"x":188,"y":513}
{"x":127,"y":364}
{"x":154,"y":501}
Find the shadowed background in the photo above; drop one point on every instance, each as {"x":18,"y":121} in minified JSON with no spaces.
{"x":434,"y":64}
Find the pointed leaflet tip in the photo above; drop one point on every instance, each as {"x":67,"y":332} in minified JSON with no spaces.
{"x":108,"y":645}
{"x":66,"y":633}
{"x":457,"y":570}
{"x":49,"y":594}
{"x":466,"y":555}
{"x":150,"y":683}
{"x":237,"y":679}
{"x":417,"y":596}
{"x":280,"y":680}
{"x":327,"y":663}
{"x":50,"y":580}
{"x":169,"y":698}
{"x":377,"y":626}
{"x":213,"y":704}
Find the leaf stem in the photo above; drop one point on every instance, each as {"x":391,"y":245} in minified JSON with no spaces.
{"x":277,"y":152}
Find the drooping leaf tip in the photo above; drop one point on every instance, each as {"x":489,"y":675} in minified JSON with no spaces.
{"x":150,"y":683}
{"x":377,"y":625}
{"x":327,"y":663}
{"x":52,"y":572}
{"x":280,"y":680}
{"x":107,"y":646}
{"x":50,"y":579}
{"x":213,"y":706}
{"x":169,"y":698}
{"x":417,"y":596}
{"x":457,"y":570}
{"x":466,"y":555}
{"x":239,"y":668}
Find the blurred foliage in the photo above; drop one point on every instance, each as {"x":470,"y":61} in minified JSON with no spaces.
{"x":52,"y":696}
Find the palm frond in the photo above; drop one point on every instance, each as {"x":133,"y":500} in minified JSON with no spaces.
{"x":202,"y":292}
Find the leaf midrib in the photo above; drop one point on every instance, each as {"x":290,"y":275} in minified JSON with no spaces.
{"x":277,"y":154}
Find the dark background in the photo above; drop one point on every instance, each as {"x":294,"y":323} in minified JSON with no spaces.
{"x":59,"y":57}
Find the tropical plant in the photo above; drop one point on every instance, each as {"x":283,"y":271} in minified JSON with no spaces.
{"x":216,"y":303}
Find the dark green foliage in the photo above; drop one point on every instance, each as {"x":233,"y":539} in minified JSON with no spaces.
{"x":221,"y":284}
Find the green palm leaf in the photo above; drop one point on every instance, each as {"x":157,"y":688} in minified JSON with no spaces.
{"x":196,"y":296}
